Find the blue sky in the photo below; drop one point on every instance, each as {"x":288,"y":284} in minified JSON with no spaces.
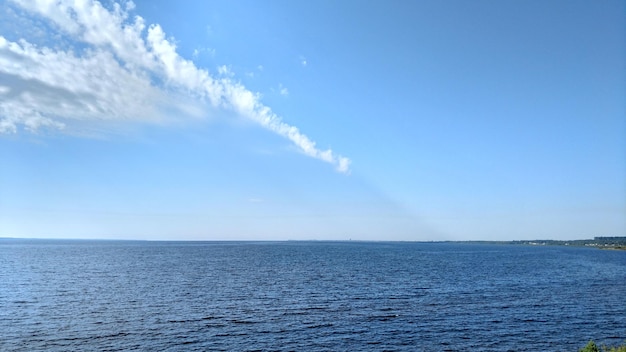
{"x":404,"y":120}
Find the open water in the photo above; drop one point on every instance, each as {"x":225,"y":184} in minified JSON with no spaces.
{"x":307,"y":296}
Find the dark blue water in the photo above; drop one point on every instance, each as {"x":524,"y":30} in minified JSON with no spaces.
{"x":307,"y":296}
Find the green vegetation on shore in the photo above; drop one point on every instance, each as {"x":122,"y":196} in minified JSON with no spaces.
{"x":598,"y":242}
{"x":592,"y":347}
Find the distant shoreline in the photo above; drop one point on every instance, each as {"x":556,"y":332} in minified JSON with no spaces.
{"x":616,"y":243}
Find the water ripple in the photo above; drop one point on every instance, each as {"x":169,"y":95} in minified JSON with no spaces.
{"x":317,"y":296}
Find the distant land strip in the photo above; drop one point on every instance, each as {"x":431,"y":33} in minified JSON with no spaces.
{"x":613,"y":242}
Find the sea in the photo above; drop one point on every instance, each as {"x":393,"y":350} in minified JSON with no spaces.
{"x":83,"y":295}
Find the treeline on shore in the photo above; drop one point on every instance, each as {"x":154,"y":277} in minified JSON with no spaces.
{"x":601,"y":242}
{"x":613,"y":242}
{"x":592,"y":347}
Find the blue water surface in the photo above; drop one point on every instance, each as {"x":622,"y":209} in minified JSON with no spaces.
{"x":59,"y":295}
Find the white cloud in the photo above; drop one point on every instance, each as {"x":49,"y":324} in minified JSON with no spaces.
{"x":119,"y":69}
{"x":197,"y":52}
{"x":225,"y":70}
{"x":303,"y":61}
{"x":282,"y":90}
{"x":48,"y":88}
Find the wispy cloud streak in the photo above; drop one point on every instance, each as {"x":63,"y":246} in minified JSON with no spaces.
{"x":119,"y":69}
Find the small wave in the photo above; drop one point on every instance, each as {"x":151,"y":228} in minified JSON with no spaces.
{"x":320,"y":325}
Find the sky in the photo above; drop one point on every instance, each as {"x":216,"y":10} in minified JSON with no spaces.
{"x":313,"y":120}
